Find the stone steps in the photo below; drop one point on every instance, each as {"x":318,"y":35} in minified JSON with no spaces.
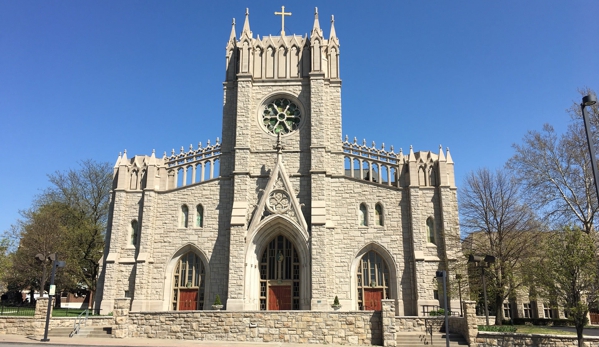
{"x":421,"y":339}
{"x":83,"y":332}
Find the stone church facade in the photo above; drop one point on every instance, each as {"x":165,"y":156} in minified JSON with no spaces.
{"x":283,"y":213}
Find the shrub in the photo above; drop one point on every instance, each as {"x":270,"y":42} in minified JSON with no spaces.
{"x":439,"y":312}
{"x":217,"y":300}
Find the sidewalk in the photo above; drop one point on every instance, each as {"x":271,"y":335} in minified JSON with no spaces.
{"x":86,"y":341}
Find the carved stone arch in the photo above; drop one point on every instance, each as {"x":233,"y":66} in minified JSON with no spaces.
{"x":421,"y":175}
{"x":170,"y":267}
{"x":270,"y":61}
{"x":294,"y":61}
{"x":389,"y":261}
{"x":432,"y":175}
{"x":257,"y":242}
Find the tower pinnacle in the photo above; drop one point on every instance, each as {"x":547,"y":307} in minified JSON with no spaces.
{"x":246,"y":23}
{"x":232,"y":36}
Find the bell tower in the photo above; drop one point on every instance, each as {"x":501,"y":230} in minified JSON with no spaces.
{"x":287,"y":86}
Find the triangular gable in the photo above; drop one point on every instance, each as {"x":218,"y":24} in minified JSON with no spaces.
{"x":279,"y":197}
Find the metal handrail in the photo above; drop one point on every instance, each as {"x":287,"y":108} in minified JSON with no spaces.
{"x":77,"y":324}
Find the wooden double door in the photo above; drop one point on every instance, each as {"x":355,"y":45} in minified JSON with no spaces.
{"x":279,"y":298}
{"x":188,"y":299}
{"x":372,"y":299}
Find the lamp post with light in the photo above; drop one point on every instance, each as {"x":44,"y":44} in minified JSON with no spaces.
{"x":483,"y":263}
{"x":590,"y":100}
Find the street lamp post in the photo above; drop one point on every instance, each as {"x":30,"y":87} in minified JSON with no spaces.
{"x":443,"y":274}
{"x":478,"y":261}
{"x":51,"y":292}
{"x":590,"y":100}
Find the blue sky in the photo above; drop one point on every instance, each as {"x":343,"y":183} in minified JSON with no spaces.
{"x":88,"y":79}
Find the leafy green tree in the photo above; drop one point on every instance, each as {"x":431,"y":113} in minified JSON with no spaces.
{"x":68,"y":219}
{"x":567,"y":273}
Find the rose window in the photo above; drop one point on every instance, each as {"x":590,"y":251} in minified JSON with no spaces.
{"x":281,"y":116}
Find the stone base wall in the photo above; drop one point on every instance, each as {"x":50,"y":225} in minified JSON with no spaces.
{"x":485,"y":339}
{"x":30,"y":326}
{"x":410,"y":324}
{"x":355,"y":328}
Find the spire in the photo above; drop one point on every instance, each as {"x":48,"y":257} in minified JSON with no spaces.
{"x":411,"y":156}
{"x":316,"y":27}
{"x":246,"y":24}
{"x":124,"y":160}
{"x":441,"y":156}
{"x":449,"y":160}
{"x":232,"y":36}
{"x":118,"y":161}
{"x":333,"y":34}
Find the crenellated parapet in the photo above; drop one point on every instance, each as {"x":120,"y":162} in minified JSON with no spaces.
{"x":385,"y":167}
{"x":284,"y":56}
{"x":169,"y":172}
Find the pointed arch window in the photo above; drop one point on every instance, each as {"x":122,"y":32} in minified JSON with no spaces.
{"x":372,"y":281}
{"x":430,"y":230}
{"x":200,"y":216}
{"x":363,"y":215}
{"x":184,"y":218}
{"x":133,"y":233}
{"x":188,"y":283}
{"x":378,"y":214}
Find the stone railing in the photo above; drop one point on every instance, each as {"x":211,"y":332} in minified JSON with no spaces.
{"x":195,"y":165}
{"x":372,"y":164}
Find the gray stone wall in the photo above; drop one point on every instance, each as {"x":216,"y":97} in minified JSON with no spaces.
{"x":355,"y":328}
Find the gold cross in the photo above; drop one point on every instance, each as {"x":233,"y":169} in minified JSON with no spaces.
{"x":282,"y":14}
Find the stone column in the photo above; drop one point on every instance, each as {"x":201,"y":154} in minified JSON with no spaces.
{"x":121,"y":317}
{"x":41,"y":310}
{"x":469,"y":308}
{"x":388,"y":318}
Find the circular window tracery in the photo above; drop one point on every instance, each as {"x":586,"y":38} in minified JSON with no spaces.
{"x":281,"y":116}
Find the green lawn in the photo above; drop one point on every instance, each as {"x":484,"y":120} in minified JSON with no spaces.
{"x":66,"y":312}
{"x":538,"y":329}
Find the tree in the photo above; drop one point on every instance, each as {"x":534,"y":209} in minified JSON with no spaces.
{"x":555,"y":171}
{"x":498,"y":225}
{"x":69,"y":219}
{"x":567,"y":273}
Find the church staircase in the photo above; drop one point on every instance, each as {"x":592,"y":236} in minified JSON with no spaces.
{"x":436,"y":339}
{"x":83,"y":332}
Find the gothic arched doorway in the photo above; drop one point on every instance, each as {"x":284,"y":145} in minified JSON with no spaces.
{"x":372,"y":281}
{"x":280,"y":276}
{"x":188,"y":283}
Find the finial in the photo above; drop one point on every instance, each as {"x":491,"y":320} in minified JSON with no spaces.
{"x":208,"y":143}
{"x":333,"y":33}
{"x":441,"y":156}
{"x":346,"y":138}
{"x":200,"y":145}
{"x":316,"y":26}
{"x":190,"y":147}
{"x":391,"y":148}
{"x":449,"y":159}
{"x":164,"y":155}
{"x":232,"y":36}
{"x":363,"y":142}
{"x":373,"y":145}
{"x":383,"y":146}
{"x":181,"y":149}
{"x":355,"y":139}
{"x":173,"y":151}
{"x":246,"y":23}
{"x":217,"y":140}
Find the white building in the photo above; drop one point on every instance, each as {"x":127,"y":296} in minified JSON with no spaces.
{"x":283,"y":213}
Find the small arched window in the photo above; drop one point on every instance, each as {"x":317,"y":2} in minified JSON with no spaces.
{"x":378,"y":214}
{"x":199,"y":216}
{"x":133,"y":233}
{"x":363,"y":215}
{"x":184,"y":219}
{"x":430,"y":230}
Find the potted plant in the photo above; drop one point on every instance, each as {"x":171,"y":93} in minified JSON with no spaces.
{"x":336,"y":305}
{"x":218,"y":305}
